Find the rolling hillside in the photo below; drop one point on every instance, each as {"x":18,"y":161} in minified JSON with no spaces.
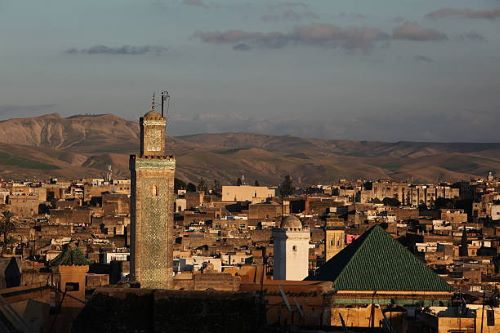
{"x":84,"y":145}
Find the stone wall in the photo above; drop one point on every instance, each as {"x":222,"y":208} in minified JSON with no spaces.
{"x":206,"y":281}
{"x":24,"y":205}
{"x":152,"y":220}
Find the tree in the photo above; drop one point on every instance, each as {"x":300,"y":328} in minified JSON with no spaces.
{"x":191,"y":187}
{"x":6,"y":227}
{"x":393,"y":202}
{"x":202,"y":185}
{"x":443,"y":203}
{"x":239,"y":182}
{"x":286,"y":187}
{"x":422,"y":206}
{"x":217,"y":187}
{"x":179,"y":184}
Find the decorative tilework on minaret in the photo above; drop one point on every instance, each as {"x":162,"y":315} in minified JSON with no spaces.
{"x":151,"y":209}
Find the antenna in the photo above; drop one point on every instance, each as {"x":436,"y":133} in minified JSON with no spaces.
{"x":153,"y":102}
{"x":165,"y":97}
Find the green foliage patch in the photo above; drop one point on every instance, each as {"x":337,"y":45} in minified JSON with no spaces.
{"x":13,"y":160}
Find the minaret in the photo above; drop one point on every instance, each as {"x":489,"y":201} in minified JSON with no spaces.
{"x":334,"y":237}
{"x":291,"y":250}
{"x":152,"y":203}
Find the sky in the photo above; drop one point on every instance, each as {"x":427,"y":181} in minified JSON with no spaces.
{"x":385,"y":70}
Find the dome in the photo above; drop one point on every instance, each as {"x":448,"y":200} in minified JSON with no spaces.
{"x":153,"y":115}
{"x":290,"y":222}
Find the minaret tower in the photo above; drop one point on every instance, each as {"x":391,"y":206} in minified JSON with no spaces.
{"x":291,"y":250}
{"x":334,"y":237}
{"x":152,"y":202}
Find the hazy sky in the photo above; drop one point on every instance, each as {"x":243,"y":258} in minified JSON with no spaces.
{"x":391,"y":70}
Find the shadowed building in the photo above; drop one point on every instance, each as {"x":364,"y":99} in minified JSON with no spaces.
{"x":144,"y":310}
{"x":69,"y":277}
{"x":151,"y":211}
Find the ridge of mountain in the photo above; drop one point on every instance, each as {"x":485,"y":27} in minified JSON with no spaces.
{"x":83,"y":145}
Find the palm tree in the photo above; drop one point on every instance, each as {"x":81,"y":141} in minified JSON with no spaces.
{"x":6,"y":227}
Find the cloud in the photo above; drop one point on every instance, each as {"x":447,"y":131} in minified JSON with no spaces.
{"x":490,"y":14}
{"x":315,"y":34}
{"x":423,"y":59}
{"x":471,"y":35}
{"x":196,"y":3}
{"x":350,"y":38}
{"x":415,"y":32}
{"x":242,"y":47}
{"x":267,"y":40}
{"x":121,"y":50}
{"x":289,"y":11}
{"x":327,"y":35}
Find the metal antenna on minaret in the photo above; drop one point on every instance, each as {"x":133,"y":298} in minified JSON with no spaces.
{"x":165,"y":97}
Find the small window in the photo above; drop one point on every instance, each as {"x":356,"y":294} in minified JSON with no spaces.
{"x":154,"y":191}
{"x":294,"y":248}
{"x":72,"y":286}
{"x":490,"y":317}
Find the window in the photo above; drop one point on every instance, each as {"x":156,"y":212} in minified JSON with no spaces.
{"x":72,"y":286}
{"x":490,"y":317}
{"x":294,"y":248}
{"x":154,"y":191}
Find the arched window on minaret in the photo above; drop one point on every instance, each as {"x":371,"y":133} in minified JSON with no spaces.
{"x":154,"y":191}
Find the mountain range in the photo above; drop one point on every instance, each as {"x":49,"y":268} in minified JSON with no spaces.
{"x":84,"y":145}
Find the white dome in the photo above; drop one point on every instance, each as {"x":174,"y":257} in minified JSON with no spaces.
{"x":290,"y":222}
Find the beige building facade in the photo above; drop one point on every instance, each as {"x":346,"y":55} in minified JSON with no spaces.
{"x":334,"y":238}
{"x":254,"y":194}
{"x":409,"y":194}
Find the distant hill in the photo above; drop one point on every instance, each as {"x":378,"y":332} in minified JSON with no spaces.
{"x":83,"y":145}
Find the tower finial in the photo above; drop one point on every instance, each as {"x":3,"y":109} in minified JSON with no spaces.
{"x":153,"y":102}
{"x":165,"y":97}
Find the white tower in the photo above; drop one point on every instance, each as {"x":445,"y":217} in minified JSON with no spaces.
{"x":291,"y":250}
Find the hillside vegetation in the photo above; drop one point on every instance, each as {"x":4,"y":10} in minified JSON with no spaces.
{"x":84,"y":145}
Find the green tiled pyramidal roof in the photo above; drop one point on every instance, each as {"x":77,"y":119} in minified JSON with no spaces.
{"x":375,"y":262}
{"x":70,"y":257}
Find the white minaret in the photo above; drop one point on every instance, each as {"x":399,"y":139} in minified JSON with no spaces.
{"x":291,"y":250}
